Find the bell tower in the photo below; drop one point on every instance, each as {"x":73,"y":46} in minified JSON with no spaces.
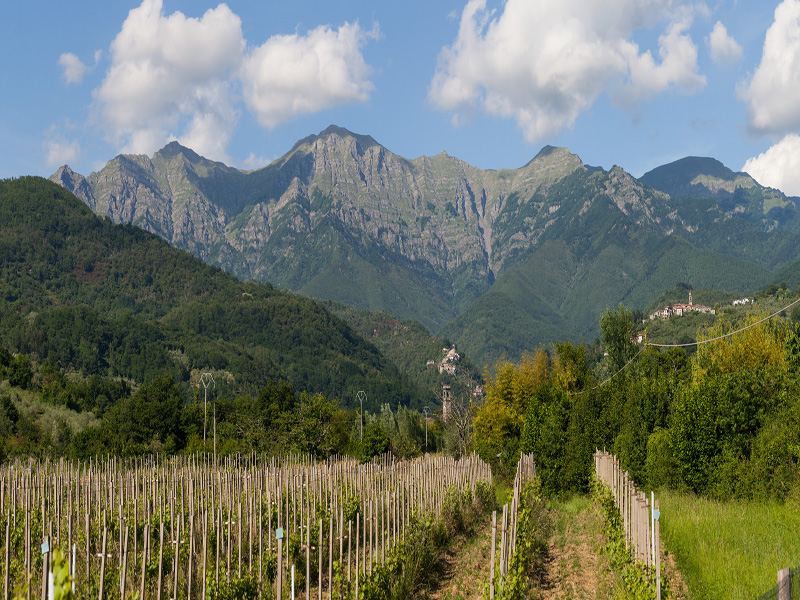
{"x":447,"y":398}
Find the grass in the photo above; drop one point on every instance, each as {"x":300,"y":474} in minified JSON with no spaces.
{"x":46,"y":415}
{"x":729,"y":550}
{"x":503,"y":493}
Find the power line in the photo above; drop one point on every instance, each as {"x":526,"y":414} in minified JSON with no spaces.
{"x":725,"y":335}
{"x":602,"y":383}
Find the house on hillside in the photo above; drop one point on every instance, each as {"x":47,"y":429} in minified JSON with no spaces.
{"x":446,"y":364}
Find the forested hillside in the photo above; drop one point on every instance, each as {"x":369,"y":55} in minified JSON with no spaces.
{"x":89,"y":296}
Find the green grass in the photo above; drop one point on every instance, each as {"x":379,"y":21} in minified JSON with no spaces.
{"x":503,"y":493}
{"x":729,"y":550}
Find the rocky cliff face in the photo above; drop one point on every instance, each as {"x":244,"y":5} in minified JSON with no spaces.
{"x":340,"y":216}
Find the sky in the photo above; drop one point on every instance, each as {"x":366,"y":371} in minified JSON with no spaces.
{"x":634,"y":83}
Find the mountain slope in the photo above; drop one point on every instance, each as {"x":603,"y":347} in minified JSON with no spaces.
{"x":341,"y":217}
{"x":736,"y":193}
{"x":102,"y":298}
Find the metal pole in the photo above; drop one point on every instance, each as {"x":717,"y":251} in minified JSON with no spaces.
{"x":361,"y":395}
{"x":206,"y":379}
{"x":426,"y":411}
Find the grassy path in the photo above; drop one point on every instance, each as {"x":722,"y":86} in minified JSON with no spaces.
{"x":574,"y":568}
{"x":463,"y":572}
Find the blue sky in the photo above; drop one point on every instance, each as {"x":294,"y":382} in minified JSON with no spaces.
{"x":636,"y":83}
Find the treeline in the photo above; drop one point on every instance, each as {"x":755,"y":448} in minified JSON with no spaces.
{"x":724,"y":422}
{"x":165,"y":416}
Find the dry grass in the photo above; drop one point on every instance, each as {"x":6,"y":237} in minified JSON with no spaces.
{"x":575,"y":567}
{"x":46,"y":416}
{"x":464,"y":567}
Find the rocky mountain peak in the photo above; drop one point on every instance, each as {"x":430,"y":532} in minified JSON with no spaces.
{"x":697,"y":176}
{"x":335,"y":136}
{"x":76,"y":183}
{"x":174,"y":149}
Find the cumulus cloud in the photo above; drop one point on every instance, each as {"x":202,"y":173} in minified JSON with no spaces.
{"x":60,"y":151}
{"x":73,"y":68}
{"x":167,"y":71}
{"x":253,"y":162}
{"x":778,"y":167}
{"x":290,"y":75}
{"x":771,"y":93}
{"x":723,"y":48}
{"x":174,"y":77}
{"x":543,"y":63}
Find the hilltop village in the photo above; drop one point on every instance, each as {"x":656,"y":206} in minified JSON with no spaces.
{"x":681,"y":309}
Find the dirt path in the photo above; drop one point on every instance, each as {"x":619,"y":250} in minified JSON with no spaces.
{"x":574,"y":567}
{"x":463,"y":568}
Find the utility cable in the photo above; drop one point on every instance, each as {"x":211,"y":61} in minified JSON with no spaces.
{"x":725,"y":335}
{"x":602,"y":383}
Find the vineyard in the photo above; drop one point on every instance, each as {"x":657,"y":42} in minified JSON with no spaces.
{"x":187,"y":527}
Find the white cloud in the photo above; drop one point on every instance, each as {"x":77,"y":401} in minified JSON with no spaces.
{"x":771,"y":93}
{"x":778,"y":167}
{"x":170,"y":79}
{"x":60,"y":151}
{"x":253,"y":162}
{"x":543,"y":63}
{"x":290,"y":75}
{"x":723,"y":48}
{"x":174,"y":77}
{"x":74,"y":69}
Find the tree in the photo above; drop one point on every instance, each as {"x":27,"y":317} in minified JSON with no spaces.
{"x":375,"y":442}
{"x":315,"y":433}
{"x":20,"y":373}
{"x":151,"y":418}
{"x":693,"y":435}
{"x":617,"y":328}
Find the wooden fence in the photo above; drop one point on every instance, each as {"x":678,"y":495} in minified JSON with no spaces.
{"x":160,"y":526}
{"x":640,"y":514}
{"x":787,"y":586}
{"x":526,"y":471}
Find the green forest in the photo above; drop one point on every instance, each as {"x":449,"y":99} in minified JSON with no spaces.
{"x":94,"y":298}
{"x":723,"y":422}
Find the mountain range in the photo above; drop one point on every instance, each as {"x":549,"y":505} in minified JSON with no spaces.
{"x":498,"y":261}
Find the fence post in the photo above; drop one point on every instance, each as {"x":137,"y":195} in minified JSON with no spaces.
{"x":657,"y":546}
{"x":785,"y":584}
{"x":491,"y":564}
